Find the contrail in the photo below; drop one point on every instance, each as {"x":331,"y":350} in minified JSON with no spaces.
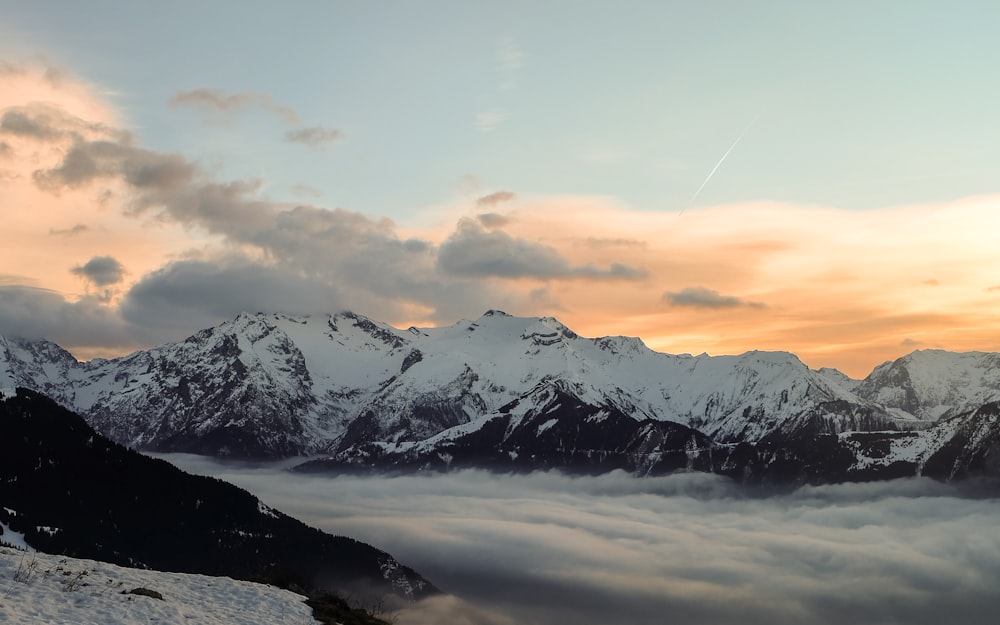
{"x":721,"y":160}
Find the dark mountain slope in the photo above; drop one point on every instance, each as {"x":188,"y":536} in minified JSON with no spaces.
{"x":72,"y":491}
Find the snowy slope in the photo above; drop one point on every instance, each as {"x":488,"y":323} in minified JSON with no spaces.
{"x":934,"y":384}
{"x":37,"y":588}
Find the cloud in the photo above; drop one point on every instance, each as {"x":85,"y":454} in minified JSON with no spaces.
{"x":213,"y":101}
{"x":510,"y":60}
{"x":492,"y":220}
{"x":603,"y":242}
{"x":23,"y":124}
{"x":74,"y":230}
{"x":549,"y":549}
{"x":700,"y":297}
{"x":48,"y":123}
{"x":931,"y":282}
{"x":467,"y":184}
{"x":365,"y":263}
{"x":496,"y":198}
{"x":40,"y":313}
{"x":7,"y":279}
{"x":200,"y":293}
{"x":74,"y":163}
{"x":304,"y":190}
{"x":491,"y":118}
{"x":314,"y":137}
{"x":474,"y":252}
{"x":145,"y":170}
{"x":101,"y":271}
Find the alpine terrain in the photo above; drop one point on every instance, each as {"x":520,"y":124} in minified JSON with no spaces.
{"x":522,"y":393}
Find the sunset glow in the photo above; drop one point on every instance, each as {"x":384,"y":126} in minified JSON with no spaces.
{"x":116,"y":237}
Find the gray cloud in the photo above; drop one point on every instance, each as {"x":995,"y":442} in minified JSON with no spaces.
{"x":191,"y":294}
{"x":101,"y":271}
{"x":474,"y":252}
{"x":700,"y":297}
{"x":550,"y":549}
{"x":39,"y":313}
{"x":496,"y":198}
{"x":214,"y":101}
{"x":377,"y":271}
{"x":74,"y":230}
{"x":145,"y":170}
{"x":492,"y":220}
{"x":314,"y":137}
{"x":20,"y":123}
{"x":43,"y":122}
{"x":302,"y":258}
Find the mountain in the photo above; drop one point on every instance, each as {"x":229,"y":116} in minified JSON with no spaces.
{"x":479,"y":392}
{"x":66,"y":489}
{"x":933,"y":384}
{"x":273,"y":385}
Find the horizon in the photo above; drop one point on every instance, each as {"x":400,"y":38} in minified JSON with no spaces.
{"x":724,"y":178}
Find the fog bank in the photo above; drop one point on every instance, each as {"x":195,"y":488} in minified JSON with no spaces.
{"x":550,"y":549}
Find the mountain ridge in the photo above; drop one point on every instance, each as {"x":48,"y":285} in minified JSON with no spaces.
{"x":274,"y":385}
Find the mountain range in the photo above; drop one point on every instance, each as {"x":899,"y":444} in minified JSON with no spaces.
{"x":522,"y":393}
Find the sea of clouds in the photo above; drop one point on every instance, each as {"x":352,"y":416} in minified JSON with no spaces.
{"x":547,"y":548}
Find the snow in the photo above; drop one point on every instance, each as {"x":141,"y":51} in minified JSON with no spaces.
{"x":545,"y":426}
{"x":912,"y":446}
{"x":325,"y":371}
{"x":38,"y":588}
{"x":12,"y":538}
{"x":941,"y":383}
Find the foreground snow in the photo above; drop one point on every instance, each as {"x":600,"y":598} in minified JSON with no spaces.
{"x":39,"y":588}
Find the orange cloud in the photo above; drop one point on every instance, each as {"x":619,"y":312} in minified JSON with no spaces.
{"x":839,"y":288}
{"x":44,"y":112}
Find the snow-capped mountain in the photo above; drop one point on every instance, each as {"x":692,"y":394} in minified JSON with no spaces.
{"x":348,"y":386}
{"x":934,"y":384}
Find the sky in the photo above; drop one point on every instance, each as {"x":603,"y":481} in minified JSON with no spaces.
{"x":712,"y":176}
{"x":547,"y":549}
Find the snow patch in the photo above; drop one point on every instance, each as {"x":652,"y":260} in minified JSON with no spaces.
{"x":44,"y":588}
{"x":546,"y":426}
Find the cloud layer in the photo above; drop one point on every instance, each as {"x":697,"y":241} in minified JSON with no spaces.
{"x":546,"y":548}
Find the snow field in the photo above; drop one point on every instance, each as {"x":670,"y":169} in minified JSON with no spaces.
{"x":40,"y":589}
